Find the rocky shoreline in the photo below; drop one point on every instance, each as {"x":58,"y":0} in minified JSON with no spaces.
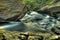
{"x":14,"y":35}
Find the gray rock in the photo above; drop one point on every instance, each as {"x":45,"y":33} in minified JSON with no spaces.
{"x":43,"y":21}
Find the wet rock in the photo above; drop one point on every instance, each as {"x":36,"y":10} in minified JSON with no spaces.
{"x":41,"y":22}
{"x":52,"y":10}
{"x":32,"y":16}
{"x":12,"y":9}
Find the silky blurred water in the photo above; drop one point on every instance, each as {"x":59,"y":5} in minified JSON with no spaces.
{"x":33,"y":22}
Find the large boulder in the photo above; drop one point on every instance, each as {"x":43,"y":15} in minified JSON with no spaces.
{"x":52,"y":9}
{"x":12,"y":9}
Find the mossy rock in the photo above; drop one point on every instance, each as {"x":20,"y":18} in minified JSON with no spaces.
{"x":54,"y":8}
{"x":14,"y":35}
{"x":32,"y":4}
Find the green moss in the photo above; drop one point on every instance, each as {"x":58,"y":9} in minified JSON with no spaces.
{"x":37,"y":3}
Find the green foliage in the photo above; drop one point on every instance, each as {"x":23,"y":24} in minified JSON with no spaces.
{"x":37,"y":3}
{"x":29,"y":1}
